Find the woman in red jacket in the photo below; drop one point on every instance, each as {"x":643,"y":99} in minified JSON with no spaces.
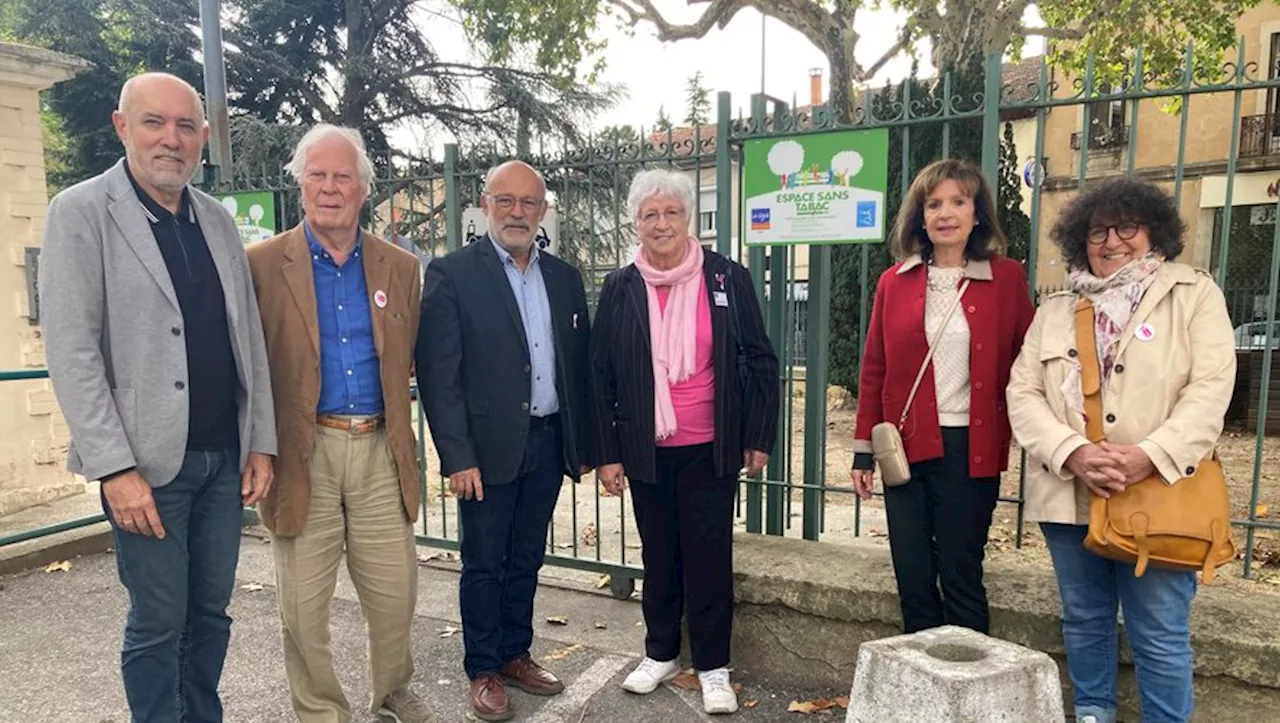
{"x":956,"y":431}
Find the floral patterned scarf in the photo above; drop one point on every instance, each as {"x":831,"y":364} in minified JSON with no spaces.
{"x":1115,"y":299}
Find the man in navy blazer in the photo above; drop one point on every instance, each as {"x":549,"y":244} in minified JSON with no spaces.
{"x":503,"y":366}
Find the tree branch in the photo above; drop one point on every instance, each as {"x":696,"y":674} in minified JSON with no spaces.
{"x":718,"y":14}
{"x":903,"y":43}
{"x":1075,"y":33}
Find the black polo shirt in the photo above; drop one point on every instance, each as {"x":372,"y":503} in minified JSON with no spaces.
{"x":211,"y":365}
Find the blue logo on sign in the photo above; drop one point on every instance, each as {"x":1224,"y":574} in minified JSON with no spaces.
{"x":760,"y":219}
{"x":866,"y":214}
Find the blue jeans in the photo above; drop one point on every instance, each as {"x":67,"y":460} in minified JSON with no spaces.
{"x":1157,"y":611}
{"x":175,"y":637}
{"x":504,"y":541}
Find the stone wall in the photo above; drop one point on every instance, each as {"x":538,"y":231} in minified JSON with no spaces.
{"x":33,"y":434}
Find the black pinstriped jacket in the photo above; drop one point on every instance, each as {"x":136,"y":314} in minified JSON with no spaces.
{"x":746,"y":371}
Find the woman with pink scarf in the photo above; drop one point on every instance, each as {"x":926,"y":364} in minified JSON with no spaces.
{"x":1166,"y":353}
{"x":687,"y":388}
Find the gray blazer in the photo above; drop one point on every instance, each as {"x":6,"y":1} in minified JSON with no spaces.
{"x":109,"y":310}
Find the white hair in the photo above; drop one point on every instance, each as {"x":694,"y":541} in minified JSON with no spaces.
{"x":658,"y":182}
{"x":297,"y":165}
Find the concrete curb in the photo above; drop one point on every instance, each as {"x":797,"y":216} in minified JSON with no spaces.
{"x":804,"y":608}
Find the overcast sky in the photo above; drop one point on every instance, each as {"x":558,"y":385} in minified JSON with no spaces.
{"x":655,"y":73}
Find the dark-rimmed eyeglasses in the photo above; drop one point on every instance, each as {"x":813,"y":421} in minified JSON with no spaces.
{"x":1124,"y":231}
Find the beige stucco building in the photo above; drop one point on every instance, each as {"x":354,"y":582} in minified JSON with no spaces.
{"x":33,"y":434}
{"x":1210,"y":123}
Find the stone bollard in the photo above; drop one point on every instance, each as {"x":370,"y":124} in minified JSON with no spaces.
{"x":953,"y":674}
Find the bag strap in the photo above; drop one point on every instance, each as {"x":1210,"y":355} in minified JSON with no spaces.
{"x":915,"y":386}
{"x":1090,"y":371}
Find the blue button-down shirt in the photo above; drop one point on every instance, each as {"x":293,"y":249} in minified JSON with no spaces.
{"x":535,"y":311}
{"x":350,"y":373}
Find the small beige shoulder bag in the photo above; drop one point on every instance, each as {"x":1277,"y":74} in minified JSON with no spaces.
{"x":886,"y":437}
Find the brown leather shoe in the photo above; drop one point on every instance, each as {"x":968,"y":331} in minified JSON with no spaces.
{"x":530,"y":677}
{"x":489,"y":698}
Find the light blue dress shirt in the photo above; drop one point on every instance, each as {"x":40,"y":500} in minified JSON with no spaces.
{"x":535,"y":311}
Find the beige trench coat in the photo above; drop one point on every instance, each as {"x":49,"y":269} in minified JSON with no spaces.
{"x":1168,"y":394}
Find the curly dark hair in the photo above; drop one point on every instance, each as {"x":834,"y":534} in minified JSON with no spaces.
{"x":1114,"y":201}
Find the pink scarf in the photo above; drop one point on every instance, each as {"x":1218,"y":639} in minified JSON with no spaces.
{"x":673,"y":335}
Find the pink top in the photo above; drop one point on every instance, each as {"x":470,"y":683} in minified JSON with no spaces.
{"x":694,"y":398}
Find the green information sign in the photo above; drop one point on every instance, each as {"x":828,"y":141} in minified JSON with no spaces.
{"x":255,"y":214}
{"x":826,"y":188}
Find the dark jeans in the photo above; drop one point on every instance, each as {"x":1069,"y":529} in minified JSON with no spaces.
{"x":175,"y":637}
{"x":685,"y":518}
{"x":938,"y":523}
{"x":504,"y":540}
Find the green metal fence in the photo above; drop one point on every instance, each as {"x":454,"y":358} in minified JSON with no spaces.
{"x":1079,"y":129}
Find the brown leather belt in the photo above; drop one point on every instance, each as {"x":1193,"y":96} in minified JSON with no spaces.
{"x":354,"y":425}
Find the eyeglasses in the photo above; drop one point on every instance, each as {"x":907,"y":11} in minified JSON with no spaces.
{"x":506,"y":203}
{"x":672,"y":216}
{"x":1125,"y":231}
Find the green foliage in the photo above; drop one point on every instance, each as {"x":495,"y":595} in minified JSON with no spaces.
{"x":697,"y":102}
{"x":924,"y":147}
{"x":663,"y":123}
{"x":558,"y":35}
{"x":1162,"y":29}
{"x":121,"y":38}
{"x":293,"y":63}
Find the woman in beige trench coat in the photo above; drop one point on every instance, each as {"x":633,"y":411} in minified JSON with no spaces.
{"x":1167,"y":354}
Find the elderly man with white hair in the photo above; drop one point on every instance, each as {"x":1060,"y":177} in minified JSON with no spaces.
{"x":340,"y":310}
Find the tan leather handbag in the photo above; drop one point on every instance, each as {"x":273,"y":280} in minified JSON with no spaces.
{"x":1183,"y":526}
{"x":886,"y":437}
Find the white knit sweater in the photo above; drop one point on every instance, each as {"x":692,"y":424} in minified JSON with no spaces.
{"x":951,"y":357}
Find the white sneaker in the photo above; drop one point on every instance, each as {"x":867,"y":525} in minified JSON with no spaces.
{"x":717,"y":693}
{"x":649,"y":675}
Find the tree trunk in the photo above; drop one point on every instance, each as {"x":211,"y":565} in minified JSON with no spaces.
{"x":350,"y":113}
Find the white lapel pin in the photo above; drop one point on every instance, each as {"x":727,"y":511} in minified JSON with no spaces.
{"x":1144,"y":332}
{"x":380,"y":298}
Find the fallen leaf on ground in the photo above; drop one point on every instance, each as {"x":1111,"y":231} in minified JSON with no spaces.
{"x":563,"y":545}
{"x":603,"y":581}
{"x":563,"y":653}
{"x":750,"y":703}
{"x":252,"y":587}
{"x":877,"y":532}
{"x":265,"y":540}
{"x":843,"y":702}
{"x":635,"y":546}
{"x":63,"y":566}
{"x":558,"y":620}
{"x":590,"y":535}
{"x":809,"y":707}
{"x":737,"y":688}
{"x":1261,"y":511}
{"x":447,"y":632}
{"x":602,"y":626}
{"x":428,"y":556}
{"x":687,"y":680}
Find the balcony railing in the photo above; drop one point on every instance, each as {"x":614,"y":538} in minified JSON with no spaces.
{"x":1102,"y":138}
{"x":1259,"y":135}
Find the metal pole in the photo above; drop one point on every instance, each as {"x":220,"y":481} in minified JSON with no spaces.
{"x":763,"y":19}
{"x":215,"y":90}
{"x":991,"y":120}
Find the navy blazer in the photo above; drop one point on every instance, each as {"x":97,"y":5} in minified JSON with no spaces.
{"x":474,"y":368}
{"x":746,"y":371}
